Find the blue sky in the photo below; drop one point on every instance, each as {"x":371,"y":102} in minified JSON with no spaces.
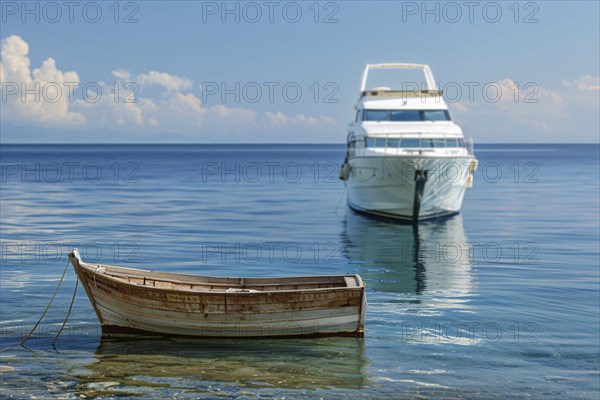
{"x":291,"y":81}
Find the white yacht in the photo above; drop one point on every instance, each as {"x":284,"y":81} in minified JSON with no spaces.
{"x":405,"y":158}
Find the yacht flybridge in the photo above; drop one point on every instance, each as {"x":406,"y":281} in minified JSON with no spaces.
{"x":405,"y":158}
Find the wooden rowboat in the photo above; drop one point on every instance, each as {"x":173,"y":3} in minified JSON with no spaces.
{"x":128,"y":300}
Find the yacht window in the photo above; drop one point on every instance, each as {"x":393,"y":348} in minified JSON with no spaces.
{"x":426,"y":143}
{"x":436,"y":115}
{"x":376,"y":115}
{"x":410,"y":143}
{"x":414,"y":143}
{"x":357,"y":116}
{"x":393,"y":143}
{"x":376,"y":142}
{"x":451,"y":143}
{"x":406,"y":115}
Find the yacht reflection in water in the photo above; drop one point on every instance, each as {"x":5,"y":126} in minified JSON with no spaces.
{"x":429,"y":263}
{"x":139,"y":365}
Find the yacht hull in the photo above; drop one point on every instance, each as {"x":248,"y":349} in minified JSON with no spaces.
{"x":408,"y":187}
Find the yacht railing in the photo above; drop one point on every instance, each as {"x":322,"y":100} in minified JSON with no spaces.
{"x":470,"y":146}
{"x":401,"y":93}
{"x":423,"y":67}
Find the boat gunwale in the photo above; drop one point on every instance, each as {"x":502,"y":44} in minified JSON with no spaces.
{"x":92,"y":269}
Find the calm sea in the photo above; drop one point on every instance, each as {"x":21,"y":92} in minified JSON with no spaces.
{"x":501,"y":301}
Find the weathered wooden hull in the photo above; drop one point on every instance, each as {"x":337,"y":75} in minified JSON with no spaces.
{"x":137,"y":301}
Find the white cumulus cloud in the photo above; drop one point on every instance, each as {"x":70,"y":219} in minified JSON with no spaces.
{"x":39,"y":96}
{"x":121,"y":74}
{"x":170,"y":82}
{"x":127,"y":103}
{"x":279,"y":118}
{"x":585,"y":83}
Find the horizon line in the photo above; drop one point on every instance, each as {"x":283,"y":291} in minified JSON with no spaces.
{"x":271,"y":143}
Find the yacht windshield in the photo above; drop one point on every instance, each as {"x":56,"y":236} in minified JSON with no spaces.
{"x":435,"y":115}
{"x":408,"y":115}
{"x":377,"y":115}
{"x":405,"y":115}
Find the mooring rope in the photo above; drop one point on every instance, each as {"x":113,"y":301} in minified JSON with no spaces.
{"x":68,"y":312}
{"x":7,"y":348}
{"x":340,"y":199}
{"x":48,"y":306}
{"x":46,"y":310}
